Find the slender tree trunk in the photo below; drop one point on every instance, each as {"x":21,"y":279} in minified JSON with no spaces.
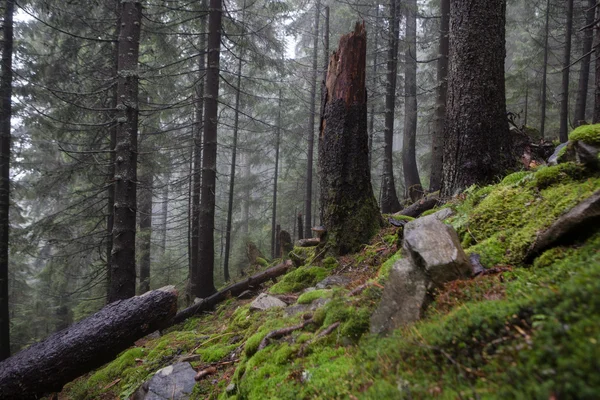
{"x":596,"y":116}
{"x":412,"y":181}
{"x":5,"y":142}
{"x":165,"y":212}
{"x":275,"y":178}
{"x":311,"y":125}
{"x":236,"y":122}
{"x":584,"y":72}
{"x":146,"y":182}
{"x":110,"y":219}
{"x":348,"y":208}
{"x":123,"y":267}
{"x":545,"y":71}
{"x":372,"y":116}
{"x":389,"y":198}
{"x":205,"y":283}
{"x":477,"y":146}
{"x":326,"y":44}
{"x":197,"y":171}
{"x":300,"y":227}
{"x":437,"y":140}
{"x":564,"y":101}
{"x":247,"y":195}
{"x":526,"y":101}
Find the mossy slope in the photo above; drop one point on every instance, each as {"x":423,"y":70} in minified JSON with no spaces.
{"x":531,"y":331}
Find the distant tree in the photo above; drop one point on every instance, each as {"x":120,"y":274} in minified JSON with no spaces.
{"x":5,"y":143}
{"x":437,"y":140}
{"x":564,"y":99}
{"x":123,"y":275}
{"x":389,"y":198}
{"x":476,"y":137}
{"x":584,"y":72}
{"x":412,"y":181}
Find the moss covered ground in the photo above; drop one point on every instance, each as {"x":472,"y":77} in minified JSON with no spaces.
{"x":528,"y":331}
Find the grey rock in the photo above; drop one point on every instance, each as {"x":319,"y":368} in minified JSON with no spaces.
{"x":173,"y":382}
{"x":264,"y":302}
{"x":587,"y":154}
{"x":435,"y":248}
{"x":553,"y":160}
{"x":296,"y":309}
{"x":441,"y":214}
{"x":230,"y":388}
{"x":581,"y":219}
{"x":404,"y":298}
{"x":334,"y":280}
{"x":318,"y":303}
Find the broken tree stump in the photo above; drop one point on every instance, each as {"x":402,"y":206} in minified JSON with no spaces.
{"x":348,"y":207}
{"x":46,"y":366}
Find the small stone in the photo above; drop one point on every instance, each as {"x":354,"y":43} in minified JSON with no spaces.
{"x":333,"y":280}
{"x":172,"y":382}
{"x":264,"y":302}
{"x":230,"y":388}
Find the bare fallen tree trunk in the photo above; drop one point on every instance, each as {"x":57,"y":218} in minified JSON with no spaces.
{"x":419,"y":207}
{"x":46,"y":366}
{"x":232,"y":290}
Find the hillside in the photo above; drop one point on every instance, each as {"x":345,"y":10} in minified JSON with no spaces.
{"x":527,"y":327}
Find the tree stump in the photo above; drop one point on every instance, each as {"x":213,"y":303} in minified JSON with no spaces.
{"x":348,"y":208}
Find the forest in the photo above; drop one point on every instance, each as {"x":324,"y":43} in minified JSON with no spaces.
{"x":165,"y":155}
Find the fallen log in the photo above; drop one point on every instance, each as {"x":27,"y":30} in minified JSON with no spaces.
{"x":46,"y":366}
{"x":419,"y":207}
{"x":232,"y":290}
{"x":308,"y":242}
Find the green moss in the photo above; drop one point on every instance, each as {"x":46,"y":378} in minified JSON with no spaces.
{"x":589,"y":134}
{"x":515,"y":178}
{"x":309,"y":297}
{"x":216,"y":352}
{"x":401,"y":217}
{"x":262,"y":262}
{"x":302,"y":255}
{"x":391,"y":239}
{"x":241,"y":318}
{"x":299,"y":279}
{"x":254,"y":341}
{"x":386,"y":267}
{"x":330,"y":263}
{"x":561,"y":173}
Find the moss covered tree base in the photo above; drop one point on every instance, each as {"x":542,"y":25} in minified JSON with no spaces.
{"x":348,"y":208}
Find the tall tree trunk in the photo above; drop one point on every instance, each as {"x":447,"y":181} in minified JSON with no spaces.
{"x":311,"y":125}
{"x":122,"y":283}
{"x":596,"y":116}
{"x":247,"y":199}
{"x":437,"y":139}
{"x":5,"y":139}
{"x":110,"y":218}
{"x":477,"y":141}
{"x":348,"y":208}
{"x":236,"y":123}
{"x":165,"y":212}
{"x":564,"y":100}
{"x":197,"y":172}
{"x":412,"y":181}
{"x":146,"y":182}
{"x":374,"y":83}
{"x":389,"y":198}
{"x":545,"y":71}
{"x":275,"y":178}
{"x":205,"y":284}
{"x":584,"y":72}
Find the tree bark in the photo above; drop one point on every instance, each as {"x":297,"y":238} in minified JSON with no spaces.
{"x":46,"y":366}
{"x":5,"y":143}
{"x":348,"y":208}
{"x":232,"y":290}
{"x":596,"y":116}
{"x":123,"y":278}
{"x":300,"y":227}
{"x":477,"y":146}
{"x":204,"y":286}
{"x":437,"y":139}
{"x":584,"y":72}
{"x":311,"y":125}
{"x":146,"y":183}
{"x":545,"y":71}
{"x":564,"y":101}
{"x":412,"y":181}
{"x":197,"y":169}
{"x":374,"y":83}
{"x":275,"y":178}
{"x":236,"y":124}
{"x":389,"y":198}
